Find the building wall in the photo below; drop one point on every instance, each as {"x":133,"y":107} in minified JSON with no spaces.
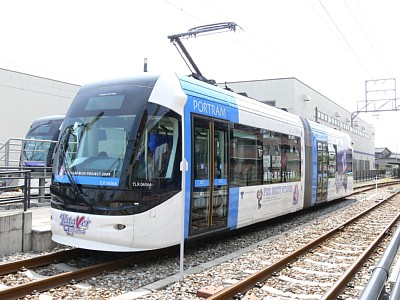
{"x":302,"y":100}
{"x":24,"y":97}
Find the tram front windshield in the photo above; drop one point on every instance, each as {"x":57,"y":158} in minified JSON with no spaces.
{"x":117,"y":153}
{"x":120,"y":141}
{"x":37,"y":144}
{"x":93,"y":141}
{"x":95,"y":146}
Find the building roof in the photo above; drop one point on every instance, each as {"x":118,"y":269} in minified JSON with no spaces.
{"x":382,"y":152}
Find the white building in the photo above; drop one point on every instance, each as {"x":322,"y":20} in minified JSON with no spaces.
{"x":24,"y":97}
{"x":300,"y":99}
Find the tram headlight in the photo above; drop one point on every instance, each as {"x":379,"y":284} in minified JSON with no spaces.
{"x":119,"y":226}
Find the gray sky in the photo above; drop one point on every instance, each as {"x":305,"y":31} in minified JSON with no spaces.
{"x":332,"y":46}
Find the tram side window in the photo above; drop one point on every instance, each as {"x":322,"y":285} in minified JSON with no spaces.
{"x":332,"y":169}
{"x":271,"y":157}
{"x":281,"y":157}
{"x":156,"y":156}
{"x":350,"y":161}
{"x":291,"y":162}
{"x":246,"y":156}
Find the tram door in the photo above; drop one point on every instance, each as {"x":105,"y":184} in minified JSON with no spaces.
{"x":322,"y":171}
{"x":209,"y":186}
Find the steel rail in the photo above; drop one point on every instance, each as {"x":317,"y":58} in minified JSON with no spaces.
{"x":371,"y":186}
{"x":77,"y":275}
{"x":62,"y":279}
{"x":252,"y":280}
{"x":15,"y":266}
{"x":342,"y":282}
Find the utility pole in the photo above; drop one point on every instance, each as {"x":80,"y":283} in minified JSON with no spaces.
{"x":380,"y":95}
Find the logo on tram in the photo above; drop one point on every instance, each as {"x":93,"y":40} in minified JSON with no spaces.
{"x":71,"y":225}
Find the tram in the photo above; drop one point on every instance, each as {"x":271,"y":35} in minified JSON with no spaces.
{"x":117,"y":182}
{"x":39,"y":142}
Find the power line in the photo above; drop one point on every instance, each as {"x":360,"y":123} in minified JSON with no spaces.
{"x":34,"y":91}
{"x":242,"y":45}
{"x":184,"y":11}
{"x":370,"y":27}
{"x":255,"y":37}
{"x":344,"y":38}
{"x":366,"y":37}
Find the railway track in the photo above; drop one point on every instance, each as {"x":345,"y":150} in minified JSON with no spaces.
{"x":12,"y":267}
{"x":67,"y":277}
{"x":371,"y":186}
{"x":321,"y":268}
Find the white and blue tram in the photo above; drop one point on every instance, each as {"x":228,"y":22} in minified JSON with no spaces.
{"x":117,"y":183}
{"x":39,"y":142}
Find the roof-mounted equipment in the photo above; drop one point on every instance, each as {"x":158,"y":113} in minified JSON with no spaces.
{"x":194,"y":32}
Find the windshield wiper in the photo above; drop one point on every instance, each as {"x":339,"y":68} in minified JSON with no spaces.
{"x":63,"y":146}
{"x":95,"y":119}
{"x":78,"y":129}
{"x":62,"y":159}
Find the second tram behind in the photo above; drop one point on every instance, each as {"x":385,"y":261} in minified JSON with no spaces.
{"x":117,"y":179}
{"x":40,"y":141}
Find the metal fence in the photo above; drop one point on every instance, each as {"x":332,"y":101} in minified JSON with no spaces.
{"x":19,"y":185}
{"x":15,"y":187}
{"x":13,"y":153}
{"x":365,"y":175}
{"x":10,"y":152}
{"x":375,"y":288}
{"x":23,"y":180}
